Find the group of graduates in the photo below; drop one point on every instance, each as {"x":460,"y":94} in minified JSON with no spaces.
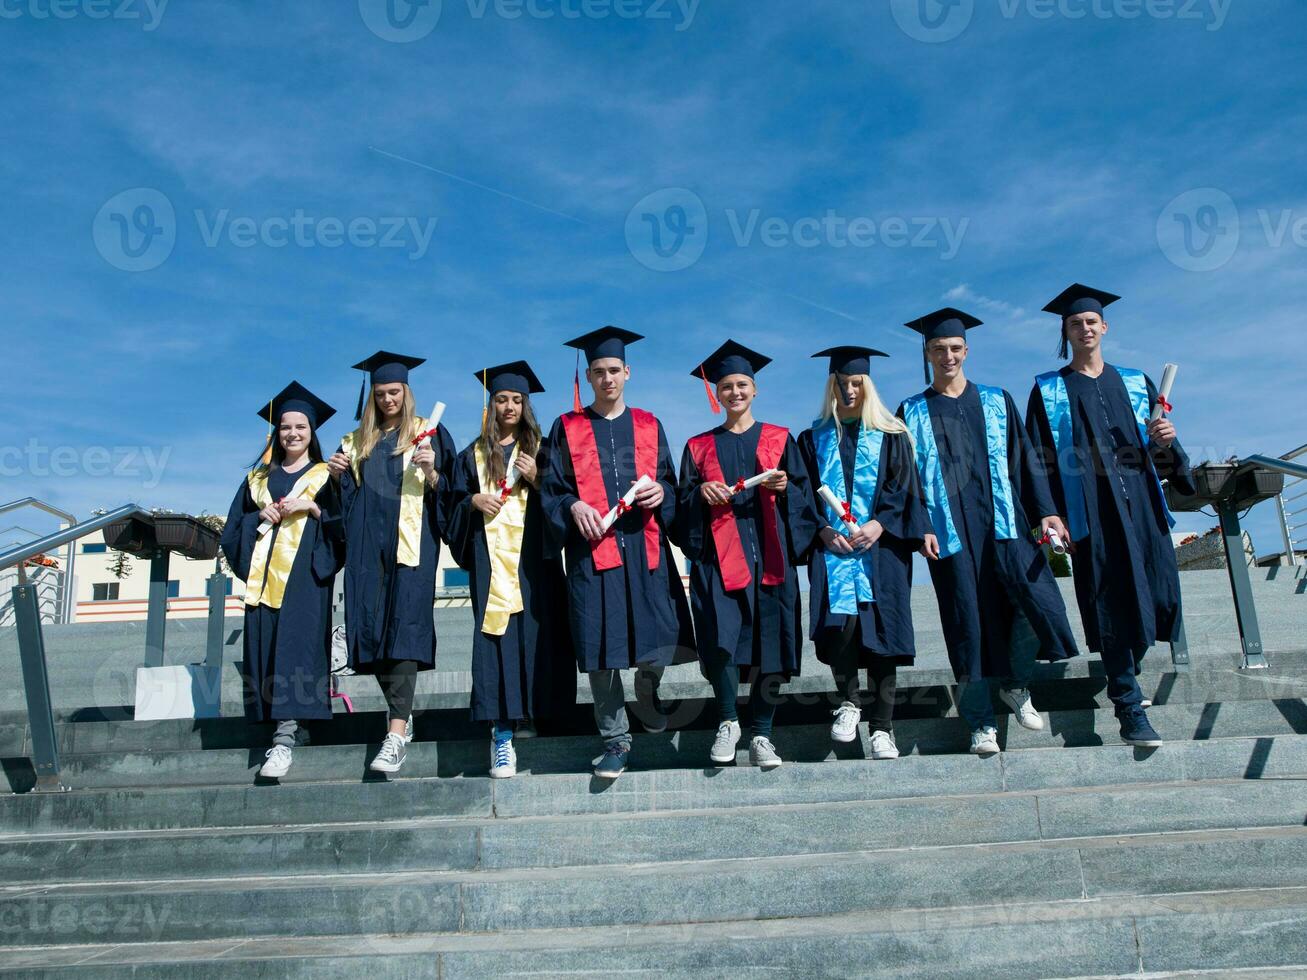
{"x":567,"y":538}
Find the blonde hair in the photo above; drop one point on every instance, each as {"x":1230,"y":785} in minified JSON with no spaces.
{"x":874,"y":413}
{"x":370,"y":431}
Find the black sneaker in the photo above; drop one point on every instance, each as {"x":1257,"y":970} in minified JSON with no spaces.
{"x":613,"y":764}
{"x":1135,"y":729}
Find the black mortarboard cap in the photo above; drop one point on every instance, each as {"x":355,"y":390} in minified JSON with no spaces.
{"x":514,"y":376}
{"x":850,"y":359}
{"x":384,"y":368}
{"x":730,"y":358}
{"x":947,"y":322}
{"x":605,"y":342}
{"x":296,"y":398}
{"x":1078,"y":299}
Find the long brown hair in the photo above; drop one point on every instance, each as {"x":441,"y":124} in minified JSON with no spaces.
{"x":370,"y":431}
{"x":528,"y":438}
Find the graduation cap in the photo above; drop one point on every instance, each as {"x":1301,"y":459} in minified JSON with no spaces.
{"x":384,"y":368}
{"x":296,"y":398}
{"x":514,"y":376}
{"x":1078,"y":299}
{"x":947,"y":322}
{"x":607,"y":341}
{"x":730,"y":358}
{"x":850,"y":359}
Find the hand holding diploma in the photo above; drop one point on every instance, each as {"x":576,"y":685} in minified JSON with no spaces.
{"x":643,"y":485}
{"x":1055,"y":535}
{"x":1160,"y":428}
{"x":281,"y":510}
{"x":423,"y":439}
{"x":338,"y":463}
{"x":840,"y":507}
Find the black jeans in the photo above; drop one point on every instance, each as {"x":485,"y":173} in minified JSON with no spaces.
{"x":399,"y":682}
{"x":841,"y":649}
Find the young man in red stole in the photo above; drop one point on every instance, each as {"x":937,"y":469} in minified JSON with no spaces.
{"x":745,"y":542}
{"x":626,"y":603}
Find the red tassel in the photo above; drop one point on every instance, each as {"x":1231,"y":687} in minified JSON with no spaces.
{"x":713,"y":403}
{"x":576,"y":386}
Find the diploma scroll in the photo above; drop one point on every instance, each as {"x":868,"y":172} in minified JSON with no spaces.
{"x":296,"y":492}
{"x":508,"y":482}
{"x":1054,"y":541}
{"x":423,"y":439}
{"x":628,"y":500}
{"x":1163,"y":403}
{"x":837,"y":505}
{"x":753,"y":481}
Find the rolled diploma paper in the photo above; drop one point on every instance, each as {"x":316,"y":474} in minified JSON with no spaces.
{"x":1164,"y":390}
{"x":510,"y":480}
{"x":754,"y":481}
{"x":1055,"y":542}
{"x":296,"y":492}
{"x":828,"y":495}
{"x":433,"y":421}
{"x":628,"y":498}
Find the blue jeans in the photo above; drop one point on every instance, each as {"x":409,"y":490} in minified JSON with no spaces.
{"x":975,"y":698}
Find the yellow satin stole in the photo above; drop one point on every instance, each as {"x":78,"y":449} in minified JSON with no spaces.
{"x":504,"y":547}
{"x":274,"y":553}
{"x":411,"y":490}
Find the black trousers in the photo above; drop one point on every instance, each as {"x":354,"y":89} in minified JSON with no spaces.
{"x":399,"y":682}
{"x":842,"y":649}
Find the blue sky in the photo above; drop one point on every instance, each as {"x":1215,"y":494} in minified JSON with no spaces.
{"x":207,"y":200}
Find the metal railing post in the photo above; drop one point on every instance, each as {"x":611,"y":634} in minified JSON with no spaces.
{"x":1180,"y":648}
{"x":156,"y":622}
{"x":36,"y":685}
{"x":1250,"y":634}
{"x":217,"y":614}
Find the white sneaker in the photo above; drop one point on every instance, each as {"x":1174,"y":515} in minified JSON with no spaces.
{"x":392,"y":754}
{"x":847,"y":716}
{"x":1145,"y":703}
{"x":1026,"y":715}
{"x":984,"y":741}
{"x":503,"y":759}
{"x":882,"y":746}
{"x":278,"y":763}
{"x":763,"y":754}
{"x":408,"y":730}
{"x":723,"y":747}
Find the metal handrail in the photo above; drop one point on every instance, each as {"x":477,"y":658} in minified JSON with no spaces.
{"x":15,"y":556}
{"x":1279,"y":465}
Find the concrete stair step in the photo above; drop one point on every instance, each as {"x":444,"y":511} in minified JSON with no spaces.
{"x":1255,"y":934}
{"x":654,"y":836}
{"x":726,"y":891}
{"x":119,"y":754}
{"x":1199,"y":701}
{"x":416,"y":796}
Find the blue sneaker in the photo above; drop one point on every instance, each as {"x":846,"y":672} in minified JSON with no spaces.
{"x":1135,"y":729}
{"x":613,"y":764}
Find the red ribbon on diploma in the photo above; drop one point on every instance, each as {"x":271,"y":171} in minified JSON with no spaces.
{"x":504,"y":492}
{"x":1166,"y":405}
{"x":429,"y":434}
{"x":739,"y":486}
{"x":623,"y":507}
{"x":848,"y":512}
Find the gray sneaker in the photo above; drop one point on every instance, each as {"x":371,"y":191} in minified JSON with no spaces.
{"x":723,"y":747}
{"x":408,"y":730}
{"x":763,"y":754}
{"x":391,"y":756}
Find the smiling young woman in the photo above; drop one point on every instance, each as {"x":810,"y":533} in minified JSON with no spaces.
{"x":283,"y":540}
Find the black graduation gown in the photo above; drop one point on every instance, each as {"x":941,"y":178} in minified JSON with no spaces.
{"x":526,"y":672}
{"x":389,"y":608}
{"x":287,"y":651}
{"x":628,"y":615}
{"x":980,"y":588}
{"x":886,"y":623}
{"x":760,"y":626}
{"x":1127,"y":583}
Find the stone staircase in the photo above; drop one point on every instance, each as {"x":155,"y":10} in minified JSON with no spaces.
{"x":1068,"y":854}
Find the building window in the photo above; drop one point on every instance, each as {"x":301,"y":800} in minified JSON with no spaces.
{"x":455,"y":576}
{"x":174,"y":588}
{"x":94,"y":549}
{"x":104,"y":591}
